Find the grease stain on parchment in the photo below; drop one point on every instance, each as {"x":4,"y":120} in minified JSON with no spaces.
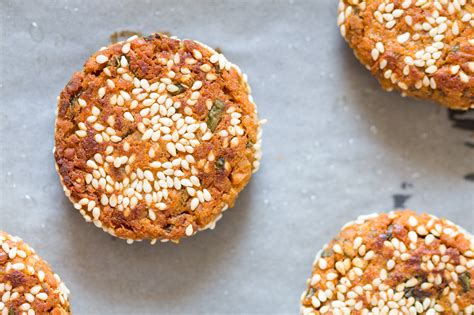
{"x":399,"y":200}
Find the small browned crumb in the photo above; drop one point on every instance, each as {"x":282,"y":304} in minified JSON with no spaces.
{"x":422,"y":48}
{"x":28,"y":286}
{"x":155,"y":137}
{"x":395,"y":263}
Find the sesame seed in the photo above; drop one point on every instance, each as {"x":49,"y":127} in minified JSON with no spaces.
{"x":211,"y":77}
{"x":337,"y":248}
{"x":370,"y":255}
{"x":95,"y":111}
{"x":397,"y":13}
{"x":100,"y":59}
{"x":402,"y":85}
{"x":322,"y":263}
{"x":390,"y":24}
{"x":214,"y":58}
{"x":197,"y":54}
{"x":196,"y":85}
{"x":101,"y":92}
{"x":42,"y":296}
{"x":412,"y":221}
{"x":189,"y":230}
{"x":411,"y":283}
{"x":18,"y":266}
{"x":170,"y":147}
{"x":375,"y":54}
{"x":340,"y":267}
{"x":96,"y":213}
{"x":403,"y":37}
{"x":151,"y":215}
{"x":357,"y":242}
{"x":390,"y":264}
{"x":28,"y":297}
{"x":429,"y":239}
{"x":380,"y":47}
{"x":406,"y":4}
{"x":194,"y":203}
{"x":41,"y":276}
{"x":172,"y":88}
{"x":331,"y":276}
{"x":25,"y":306}
{"x":460,"y":269}
{"x":128,"y":116}
{"x":126,"y":48}
{"x":207,"y":195}
{"x":464,"y":77}
{"x":81,"y":133}
{"x":466,"y":17}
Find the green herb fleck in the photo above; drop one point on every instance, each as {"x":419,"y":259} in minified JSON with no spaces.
{"x":74,"y":98}
{"x":151,"y":37}
{"x":389,"y":234}
{"x":127,"y":133}
{"x":327,"y":253}
{"x":415,"y":293}
{"x":220,"y":163}
{"x":117,"y":62}
{"x":215,"y":114}
{"x":310,"y":293}
{"x":11,"y":311}
{"x":181,"y":89}
{"x":465,"y":279}
{"x":409,"y":292}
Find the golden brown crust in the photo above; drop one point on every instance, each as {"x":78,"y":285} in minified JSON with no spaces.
{"x":27,"y":283}
{"x":136,"y":149}
{"x":394,"y":263}
{"x":423,"y":49}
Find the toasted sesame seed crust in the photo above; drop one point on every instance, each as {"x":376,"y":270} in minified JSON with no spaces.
{"x":28,"y":286}
{"x":155,"y":137}
{"x":422,"y":48}
{"x":395,"y":263}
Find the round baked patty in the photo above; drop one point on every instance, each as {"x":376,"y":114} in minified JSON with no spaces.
{"x":423,"y":48}
{"x":395,"y":263}
{"x":155,"y":137}
{"x":27,"y":283}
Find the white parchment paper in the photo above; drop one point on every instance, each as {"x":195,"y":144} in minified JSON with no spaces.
{"x":336,"y":146}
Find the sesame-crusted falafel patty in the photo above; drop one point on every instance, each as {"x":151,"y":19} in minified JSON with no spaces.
{"x":155,"y":137}
{"x":422,"y":48}
{"x":395,"y":263}
{"x":27,"y":283}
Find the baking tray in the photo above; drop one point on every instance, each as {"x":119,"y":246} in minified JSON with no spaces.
{"x":335,"y":146}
